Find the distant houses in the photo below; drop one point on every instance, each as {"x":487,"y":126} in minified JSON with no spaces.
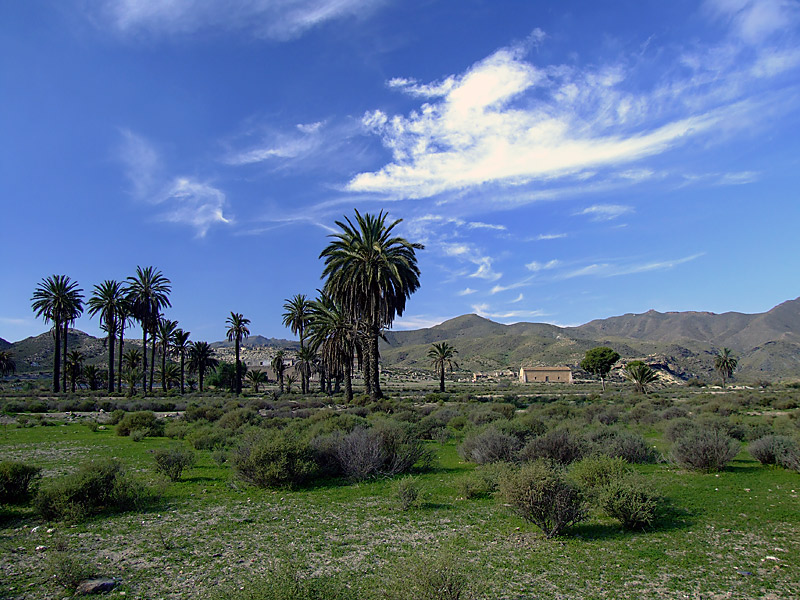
{"x":545,"y":375}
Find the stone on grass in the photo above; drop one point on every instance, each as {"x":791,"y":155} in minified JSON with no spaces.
{"x":96,"y":586}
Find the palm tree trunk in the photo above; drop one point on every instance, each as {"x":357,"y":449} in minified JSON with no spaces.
{"x":183,"y":355}
{"x":238,"y":370}
{"x":164,"y":368}
{"x":373,"y":358}
{"x":64,"y":356}
{"x":366,"y":373}
{"x":112,"y":342}
{"x":348,"y":380}
{"x":152,"y":360}
{"x":200,"y":377}
{"x":280,"y":377}
{"x":441,"y":379}
{"x":57,"y":358}
{"x":119,"y":363}
{"x":144,"y":358}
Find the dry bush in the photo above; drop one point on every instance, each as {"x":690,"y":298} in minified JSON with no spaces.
{"x":559,"y":445}
{"x":173,"y":461}
{"x":773,"y":449}
{"x":705,"y":450}
{"x":489,"y":445}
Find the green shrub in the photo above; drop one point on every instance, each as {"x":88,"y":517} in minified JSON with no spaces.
{"x":173,"y":461}
{"x":482,"y":482}
{"x":16,"y":481}
{"x":274,"y":459}
{"x":101,"y":486}
{"x":541,"y":494}
{"x":441,"y":577}
{"x":630,"y":447}
{"x":594,"y":472}
{"x":143,"y":420}
{"x":489,"y":445}
{"x":630,"y":500}
{"x":68,"y":569}
{"x":408,"y":492}
{"x":704,"y":450}
{"x":772,"y":449}
{"x":558,"y":445}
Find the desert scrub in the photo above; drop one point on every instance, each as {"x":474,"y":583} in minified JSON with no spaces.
{"x":173,"y":461}
{"x":630,"y":447}
{"x":631,"y":500}
{"x":439,"y":577}
{"x":541,"y":494}
{"x":287,"y":583}
{"x":408,"y":492}
{"x":144,"y":421}
{"x":773,"y":449}
{"x":489,"y":445}
{"x":594,"y":472}
{"x":97,"y":487}
{"x":274,"y":459}
{"x":705,"y":450}
{"x":482,"y":482}
{"x":17,"y":480}
{"x":559,"y":446}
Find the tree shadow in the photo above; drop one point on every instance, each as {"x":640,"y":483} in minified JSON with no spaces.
{"x":668,"y":518}
{"x":197,"y":479}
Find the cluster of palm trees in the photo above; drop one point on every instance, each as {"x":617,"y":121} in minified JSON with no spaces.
{"x":369,"y":275}
{"x":140,"y":298}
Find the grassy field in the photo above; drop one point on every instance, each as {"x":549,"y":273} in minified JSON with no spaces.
{"x":733,"y":534}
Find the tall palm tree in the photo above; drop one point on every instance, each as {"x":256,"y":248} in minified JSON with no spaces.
{"x":305,"y":360}
{"x":56,"y":299}
{"x":165,"y":331}
{"x":149,"y":292}
{"x":7,"y":364}
{"x":201,"y":359}
{"x":107,"y":299}
{"x":334,"y":334}
{"x":641,"y":374}
{"x":123,"y":320}
{"x":371,"y":273}
{"x":75,"y":366}
{"x":725,"y":364}
{"x":170,"y":374}
{"x":442,"y":355}
{"x":180,"y":343}
{"x":237,"y":331}
{"x":256,"y":378}
{"x":297,"y":315}
{"x":278,"y":367}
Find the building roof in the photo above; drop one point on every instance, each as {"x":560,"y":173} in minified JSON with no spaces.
{"x":546,"y":369}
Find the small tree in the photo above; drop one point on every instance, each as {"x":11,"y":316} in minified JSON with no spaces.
{"x":442,"y":356}
{"x":598,"y":361}
{"x":640,"y":374}
{"x":725,"y":364}
{"x":256,"y":378}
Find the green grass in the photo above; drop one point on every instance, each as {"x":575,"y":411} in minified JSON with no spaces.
{"x":210,"y":532}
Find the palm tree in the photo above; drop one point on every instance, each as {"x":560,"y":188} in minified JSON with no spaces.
{"x":7,"y":364}
{"x":92,"y":376}
{"x":201,"y":359}
{"x":123,"y":319}
{"x":370,"y":274}
{"x":640,"y":374}
{"x":132,"y":358}
{"x":149,"y":293}
{"x":305,"y":359}
{"x":278,"y":367}
{"x":296,"y":318}
{"x":334,"y":334}
{"x":290,"y":381}
{"x":132,"y":376}
{"x":725,"y":364}
{"x":107,"y":300}
{"x":56,"y":299}
{"x":165,"y":331}
{"x":75,"y":366}
{"x":256,"y":378}
{"x":237,"y":331}
{"x":180,"y":343}
{"x":170,"y":374}
{"x":442,"y":355}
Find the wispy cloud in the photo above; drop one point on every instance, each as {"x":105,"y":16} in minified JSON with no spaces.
{"x":605,"y":212}
{"x":184,"y":200}
{"x":536,"y":266}
{"x":609,"y":269}
{"x":485,"y":310}
{"x":506,"y":121}
{"x":273,"y":19}
{"x":517,"y":299}
{"x":466,"y":292}
{"x":418,"y":322}
{"x":549,"y":236}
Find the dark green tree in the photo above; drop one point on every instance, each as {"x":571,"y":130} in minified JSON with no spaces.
{"x":334,"y":334}
{"x":725,"y":364}
{"x":640,"y":374}
{"x":256,"y":378}
{"x":75,"y":367}
{"x":92,"y":376}
{"x":57,"y":299}
{"x":237,"y":331}
{"x":180,"y":344}
{"x":599,"y":361}
{"x":7,"y":364}
{"x":165,"y":333}
{"x":278,"y":367}
{"x":107,"y":300}
{"x":442,"y":356}
{"x":201,"y":359}
{"x":370,"y":273}
{"x":148,"y":292}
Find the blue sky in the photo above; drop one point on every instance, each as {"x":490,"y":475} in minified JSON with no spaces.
{"x":560,"y":161}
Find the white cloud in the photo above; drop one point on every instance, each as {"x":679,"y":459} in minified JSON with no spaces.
{"x":466,"y":292}
{"x":605,"y":212}
{"x":181,"y":199}
{"x":616,"y":269}
{"x":756,"y":20}
{"x":484,"y":310}
{"x":538,"y":266}
{"x":418,"y":322}
{"x":517,"y":299}
{"x":274,"y":19}
{"x":550,"y":236}
{"x":739,"y":178}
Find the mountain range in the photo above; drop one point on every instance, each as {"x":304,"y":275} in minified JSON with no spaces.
{"x":682,"y":344}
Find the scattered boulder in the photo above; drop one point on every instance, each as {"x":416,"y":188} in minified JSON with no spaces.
{"x":96,"y":586}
